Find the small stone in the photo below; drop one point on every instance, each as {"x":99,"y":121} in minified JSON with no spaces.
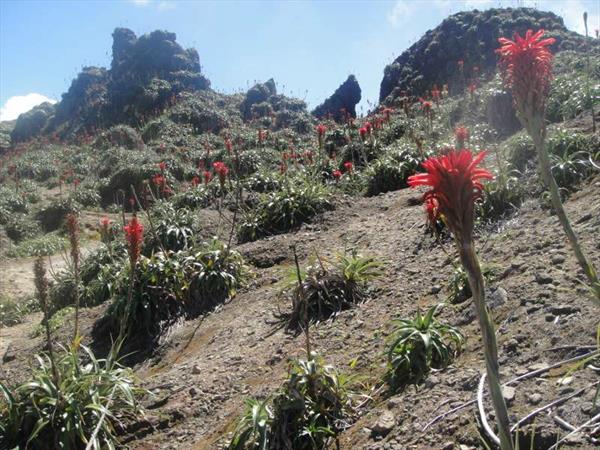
{"x":543,"y":278}
{"x":508,"y":393}
{"x":384,"y":424}
{"x":534,"y":398}
{"x":448,"y":445}
{"x":194,"y":391}
{"x":435,"y":289}
{"x":497,"y":298}
{"x":196,"y":370}
{"x":562,"y":310}
{"x":511,"y":345}
{"x":565,"y":381}
{"x":557,"y":259}
{"x":394,"y":403}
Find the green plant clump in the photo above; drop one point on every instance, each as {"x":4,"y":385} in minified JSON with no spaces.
{"x":172,"y":285}
{"x":419,"y":345}
{"x":312,"y":408}
{"x":283,"y":210}
{"x":328,"y":288}
{"x":46,"y":413}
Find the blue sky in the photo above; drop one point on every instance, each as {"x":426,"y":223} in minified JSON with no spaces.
{"x":308,"y":47}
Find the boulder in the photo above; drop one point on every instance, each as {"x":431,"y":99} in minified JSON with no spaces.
{"x":33,"y":122}
{"x":343,"y":101}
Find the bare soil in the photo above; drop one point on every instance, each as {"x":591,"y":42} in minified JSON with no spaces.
{"x":208,"y":367}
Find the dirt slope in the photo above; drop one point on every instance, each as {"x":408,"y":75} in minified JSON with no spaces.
{"x":208,"y":367}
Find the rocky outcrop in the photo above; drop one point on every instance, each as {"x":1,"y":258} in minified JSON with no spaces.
{"x":84,"y":104}
{"x":256,"y":95}
{"x":275,"y":111}
{"x":32,"y":122}
{"x":342,"y":102}
{"x":471,"y":37}
{"x":145,"y":73}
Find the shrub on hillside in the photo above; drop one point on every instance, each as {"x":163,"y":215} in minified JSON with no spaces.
{"x":327,"y":288}
{"x":419,"y":345}
{"x":312,"y":408}
{"x":391,"y":171}
{"x":280,"y":211}
{"x":172,"y":285}
{"x":53,"y":215}
{"x":63,"y":410}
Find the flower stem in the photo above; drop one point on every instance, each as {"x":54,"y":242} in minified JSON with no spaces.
{"x":471,"y":264}
{"x":550,"y":182}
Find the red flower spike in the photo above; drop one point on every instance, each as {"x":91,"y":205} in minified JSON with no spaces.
{"x":526,"y":66}
{"x":363,"y":133}
{"x":134,"y":235}
{"x":221,"y":170}
{"x":337,"y":174}
{"x":162,"y":166}
{"x":455,"y":182}
{"x":349,"y":167}
{"x":207,"y":176}
{"x":462,"y":136}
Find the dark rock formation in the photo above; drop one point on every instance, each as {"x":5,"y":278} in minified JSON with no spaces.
{"x":473,"y":38}
{"x":501,"y":114}
{"x":84,"y":103}
{"x":145,"y":73}
{"x":275,"y":111}
{"x":342,"y":102}
{"x":259,"y":93}
{"x":32,"y":122}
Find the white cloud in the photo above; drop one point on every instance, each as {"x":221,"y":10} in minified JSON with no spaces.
{"x":572,"y":13}
{"x":165,"y":5}
{"x":160,"y":5}
{"x":19,"y":104}
{"x":401,"y":12}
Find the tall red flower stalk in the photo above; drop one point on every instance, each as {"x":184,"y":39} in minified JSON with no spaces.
{"x":462,"y":136}
{"x":526,"y":65}
{"x":221,"y":170}
{"x":455,"y":182}
{"x":72,"y":225}
{"x":134,"y":237}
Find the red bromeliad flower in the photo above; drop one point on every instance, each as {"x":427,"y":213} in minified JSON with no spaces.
{"x":159,"y":180}
{"x":321,"y":129}
{"x":308,"y":156}
{"x":162,"y":166}
{"x":363,"y":133}
{"x":455,"y":182}
{"x":207,"y":176}
{"x":387,"y":112}
{"x":368,"y":127}
{"x":221,"y":170}
{"x":134,"y":235}
{"x":462,"y":136}
{"x":337,"y":174}
{"x":527,"y":70}
{"x":349,"y":167}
